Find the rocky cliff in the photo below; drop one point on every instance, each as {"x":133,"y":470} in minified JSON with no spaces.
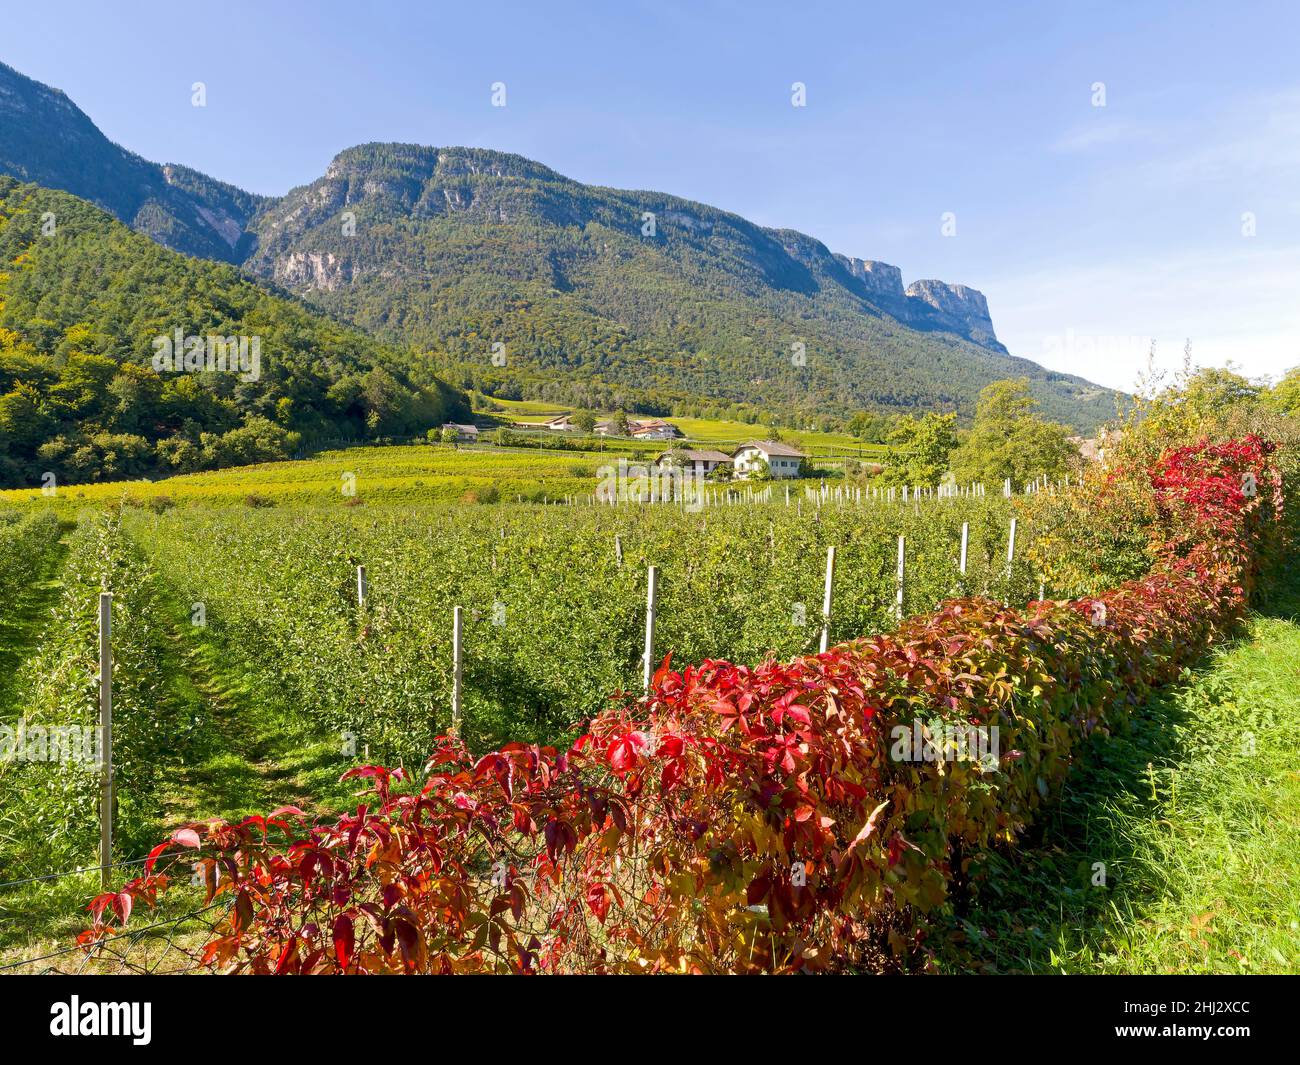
{"x":962,"y":308}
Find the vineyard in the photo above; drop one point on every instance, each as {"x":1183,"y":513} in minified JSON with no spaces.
{"x":332,"y":627}
{"x":735,"y":818}
{"x":554,"y":602}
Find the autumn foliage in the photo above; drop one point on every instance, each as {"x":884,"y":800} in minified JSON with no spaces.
{"x":737,"y":819}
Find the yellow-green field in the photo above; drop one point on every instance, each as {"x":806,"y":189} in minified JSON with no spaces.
{"x":409,"y":474}
{"x":427,"y":473}
{"x":711,"y":431}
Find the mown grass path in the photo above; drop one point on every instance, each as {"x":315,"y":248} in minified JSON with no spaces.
{"x":1193,"y":817}
{"x":246,"y":752}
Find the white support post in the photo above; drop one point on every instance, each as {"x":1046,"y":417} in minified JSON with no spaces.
{"x":1011,"y":545}
{"x":105,"y":740}
{"x":651,"y":598}
{"x":457,"y":666}
{"x":362,"y":586}
{"x":618,"y":550}
{"x":826,"y":598}
{"x":898,"y":594}
{"x":965,"y":538}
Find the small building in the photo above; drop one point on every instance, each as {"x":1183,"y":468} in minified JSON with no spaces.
{"x":465,"y":434}
{"x":699,"y":463}
{"x":1094,"y":450}
{"x":560,"y":424}
{"x":654,"y":429}
{"x":782,"y":459}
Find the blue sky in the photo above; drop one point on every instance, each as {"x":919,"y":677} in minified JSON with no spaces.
{"x":1092,"y":230}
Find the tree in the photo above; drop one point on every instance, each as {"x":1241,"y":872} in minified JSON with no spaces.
{"x":1284,"y":397}
{"x":922,"y":447}
{"x":621,"y":426}
{"x":585,"y":421}
{"x":1009,"y":439}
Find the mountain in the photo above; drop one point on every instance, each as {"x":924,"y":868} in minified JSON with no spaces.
{"x":457,"y":249}
{"x":515,"y":280}
{"x":47,"y":140}
{"x":90,"y":313}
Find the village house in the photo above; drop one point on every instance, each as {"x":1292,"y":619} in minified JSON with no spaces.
{"x":562,"y":424}
{"x":654,"y":429}
{"x":465,"y":434}
{"x":782,"y":459}
{"x":1094,"y":450}
{"x":697,"y":463}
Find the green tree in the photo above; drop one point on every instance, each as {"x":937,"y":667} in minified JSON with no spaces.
{"x":1284,"y":397}
{"x":921,"y":449}
{"x":1009,"y":439}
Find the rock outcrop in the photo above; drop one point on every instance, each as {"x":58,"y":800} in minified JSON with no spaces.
{"x":880,"y":279}
{"x":963,"y":309}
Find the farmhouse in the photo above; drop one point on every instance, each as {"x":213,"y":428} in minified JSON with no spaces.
{"x":699,"y":463}
{"x":1094,"y":450}
{"x":653,"y":429}
{"x":464,"y":433}
{"x":782,"y":459}
{"x":562,"y":424}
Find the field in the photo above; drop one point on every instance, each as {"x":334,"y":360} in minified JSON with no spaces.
{"x":249,"y":671}
{"x":410,"y":474}
{"x":711,"y":432}
{"x":265,"y":600}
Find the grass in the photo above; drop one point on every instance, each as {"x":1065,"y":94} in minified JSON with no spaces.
{"x":1193,"y":816}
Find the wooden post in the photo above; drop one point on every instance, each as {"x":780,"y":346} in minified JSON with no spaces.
{"x":826,"y":598}
{"x":457,"y":667}
{"x":361,"y":586}
{"x":651,"y":597}
{"x":898,"y":595}
{"x":965,"y":537}
{"x":106,"y":740}
{"x":1011,"y":546}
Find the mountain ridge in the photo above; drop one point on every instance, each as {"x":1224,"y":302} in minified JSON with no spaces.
{"x":596,"y":296}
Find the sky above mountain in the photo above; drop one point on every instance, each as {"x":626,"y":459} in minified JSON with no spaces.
{"x":1170,"y":214}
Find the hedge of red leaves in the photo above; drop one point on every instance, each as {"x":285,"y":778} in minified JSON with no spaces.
{"x":738,"y":819}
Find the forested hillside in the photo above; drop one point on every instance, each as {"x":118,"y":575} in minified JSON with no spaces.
{"x":597,"y":297}
{"x":608,"y":298}
{"x":83,"y":301}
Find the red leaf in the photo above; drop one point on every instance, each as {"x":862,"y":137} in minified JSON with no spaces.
{"x":344,"y":939}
